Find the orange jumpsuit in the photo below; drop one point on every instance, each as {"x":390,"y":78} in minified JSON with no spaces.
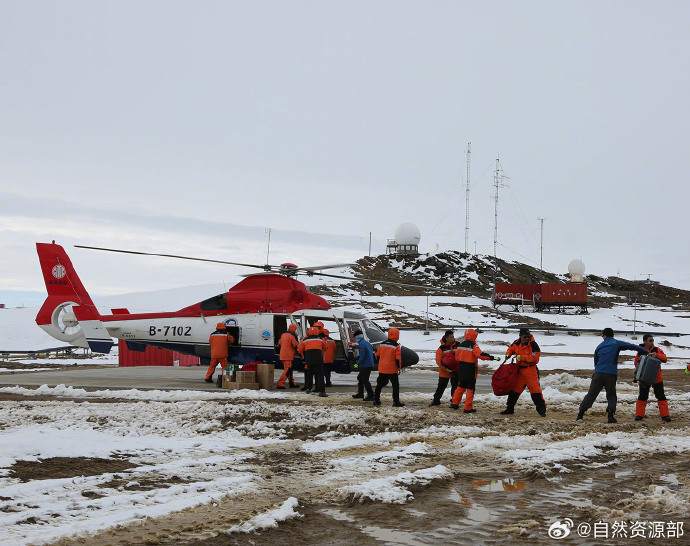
{"x":328,"y":358}
{"x":312,"y":349}
{"x":468,"y":355}
{"x":288,"y":348}
{"x":389,"y":354}
{"x":527,"y":359}
{"x":220,"y":342}
{"x":658,"y":386}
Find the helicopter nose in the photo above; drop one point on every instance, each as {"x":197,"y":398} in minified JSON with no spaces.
{"x":409,"y":357}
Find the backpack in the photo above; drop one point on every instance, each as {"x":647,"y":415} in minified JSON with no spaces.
{"x":504,"y":378}
{"x":647,"y":369}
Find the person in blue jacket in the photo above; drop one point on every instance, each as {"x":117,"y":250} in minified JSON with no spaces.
{"x":606,"y":373}
{"x":365,"y":363}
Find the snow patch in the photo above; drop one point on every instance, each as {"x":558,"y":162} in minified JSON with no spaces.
{"x":136,"y":394}
{"x":391,"y":489}
{"x":269,"y":519}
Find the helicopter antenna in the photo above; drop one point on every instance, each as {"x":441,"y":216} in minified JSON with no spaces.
{"x":268,"y":249}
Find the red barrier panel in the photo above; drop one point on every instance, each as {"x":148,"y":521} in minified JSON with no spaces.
{"x":153,"y":356}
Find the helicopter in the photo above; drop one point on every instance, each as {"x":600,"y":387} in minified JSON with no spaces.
{"x":256,"y":311}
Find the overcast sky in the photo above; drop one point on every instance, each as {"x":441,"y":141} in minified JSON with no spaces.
{"x":160,"y":125}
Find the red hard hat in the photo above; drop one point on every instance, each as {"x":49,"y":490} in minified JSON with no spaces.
{"x":471,"y":334}
{"x":292,"y":328}
{"x":313,"y":331}
{"x":325,"y":331}
{"x":318,"y":324}
{"x":393,"y":334}
{"x":220,"y":326}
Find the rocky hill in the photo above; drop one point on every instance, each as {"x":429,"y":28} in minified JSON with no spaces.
{"x":461,"y":274}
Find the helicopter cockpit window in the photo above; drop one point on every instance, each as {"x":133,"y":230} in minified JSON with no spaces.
{"x":374,"y":333}
{"x":216,"y":303}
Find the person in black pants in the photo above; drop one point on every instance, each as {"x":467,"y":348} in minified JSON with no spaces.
{"x":365,"y":363}
{"x":606,"y":373}
{"x":312,"y":348}
{"x":445,"y":375}
{"x":389,"y":354}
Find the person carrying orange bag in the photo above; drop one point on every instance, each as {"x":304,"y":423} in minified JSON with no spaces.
{"x":527,"y":354}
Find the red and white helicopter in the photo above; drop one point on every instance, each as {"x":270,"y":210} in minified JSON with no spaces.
{"x":256,"y":311}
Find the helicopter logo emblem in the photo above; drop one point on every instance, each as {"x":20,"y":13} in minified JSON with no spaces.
{"x":59,"y":271}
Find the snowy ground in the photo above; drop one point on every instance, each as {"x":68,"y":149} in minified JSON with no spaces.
{"x":184,"y":467}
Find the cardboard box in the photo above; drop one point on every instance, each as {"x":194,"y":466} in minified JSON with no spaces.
{"x":236,"y":385}
{"x":245,"y":377}
{"x":264,"y":375}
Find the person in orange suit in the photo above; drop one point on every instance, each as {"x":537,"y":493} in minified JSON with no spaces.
{"x":658,"y":386}
{"x":447,"y":347}
{"x":389,"y":354}
{"x":220,"y":342}
{"x":328,"y":356}
{"x":287,"y":344}
{"x":527,"y":353}
{"x":468,"y":354}
{"x":312,"y":349}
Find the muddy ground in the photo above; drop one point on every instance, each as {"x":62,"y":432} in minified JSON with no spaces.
{"x":488,"y":499}
{"x":509,"y":477}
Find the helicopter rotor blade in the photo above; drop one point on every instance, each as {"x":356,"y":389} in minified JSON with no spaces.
{"x":379,"y":281}
{"x":322,"y":267}
{"x":176,"y":256}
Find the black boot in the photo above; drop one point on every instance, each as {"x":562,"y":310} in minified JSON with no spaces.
{"x":510,"y":404}
{"x":612,"y":419}
{"x":358,"y":395}
{"x":580,"y":415}
{"x":539,"y":403}
{"x":435,"y":402}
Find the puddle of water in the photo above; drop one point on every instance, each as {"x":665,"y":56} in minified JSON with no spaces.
{"x":392,"y":536}
{"x":496,"y":486}
{"x":416,"y":513}
{"x":337,"y":515}
{"x":480,"y":514}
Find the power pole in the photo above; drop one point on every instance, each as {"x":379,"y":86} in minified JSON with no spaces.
{"x":541,"y":244}
{"x":426,"y":323}
{"x":468,"y":159}
{"x":370,"y":243}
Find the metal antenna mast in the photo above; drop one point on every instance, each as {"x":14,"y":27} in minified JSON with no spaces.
{"x":499,"y":177}
{"x":468,"y":156}
{"x":541,"y":244}
{"x":497,"y":185}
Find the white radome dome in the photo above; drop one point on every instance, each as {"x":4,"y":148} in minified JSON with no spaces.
{"x":576,"y":268}
{"x":407,"y":234}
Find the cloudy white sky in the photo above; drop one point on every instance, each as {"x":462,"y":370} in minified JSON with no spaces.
{"x":164,"y":125}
